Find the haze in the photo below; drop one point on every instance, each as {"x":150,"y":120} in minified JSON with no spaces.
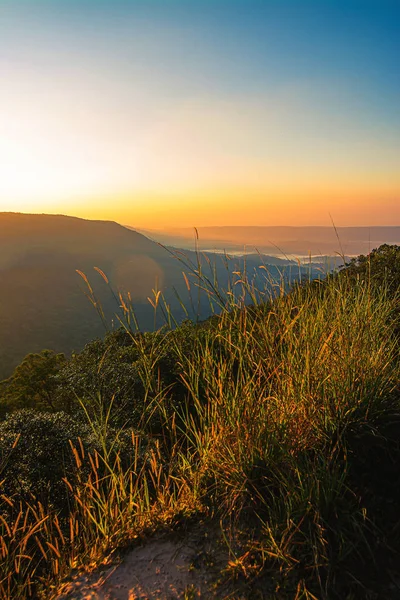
{"x":178,"y":114}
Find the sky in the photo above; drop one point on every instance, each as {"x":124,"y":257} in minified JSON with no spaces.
{"x":181,"y":113}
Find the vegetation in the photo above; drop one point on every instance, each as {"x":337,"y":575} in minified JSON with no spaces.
{"x":44,"y":304}
{"x":278,"y":417}
{"x":33,"y":383}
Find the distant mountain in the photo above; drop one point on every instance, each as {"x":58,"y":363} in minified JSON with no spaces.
{"x":281,"y":241}
{"x":42,"y":298}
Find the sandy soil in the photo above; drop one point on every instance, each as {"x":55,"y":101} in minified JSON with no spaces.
{"x":168,"y":568}
{"x":163,"y":568}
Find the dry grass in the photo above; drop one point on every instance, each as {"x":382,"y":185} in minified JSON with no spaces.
{"x":274,"y":395}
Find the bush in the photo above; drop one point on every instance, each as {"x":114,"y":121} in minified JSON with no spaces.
{"x":36,"y":454}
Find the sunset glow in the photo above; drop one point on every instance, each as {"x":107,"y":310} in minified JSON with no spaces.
{"x":201,"y":114}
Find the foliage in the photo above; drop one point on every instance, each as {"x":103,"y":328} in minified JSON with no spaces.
{"x":33,"y":383}
{"x":106,"y":369}
{"x":380,"y":267}
{"x":280,"y":418}
{"x":38,"y":452}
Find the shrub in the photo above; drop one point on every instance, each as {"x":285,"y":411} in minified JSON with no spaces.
{"x":37,"y":454}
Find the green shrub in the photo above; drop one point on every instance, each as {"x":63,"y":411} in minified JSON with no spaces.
{"x":42,"y":454}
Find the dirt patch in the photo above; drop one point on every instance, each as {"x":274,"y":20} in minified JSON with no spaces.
{"x":163,"y":568}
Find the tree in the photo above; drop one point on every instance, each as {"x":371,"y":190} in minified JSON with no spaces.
{"x":381,"y":266}
{"x":33,"y":383}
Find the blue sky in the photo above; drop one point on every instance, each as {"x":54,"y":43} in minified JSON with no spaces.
{"x":177,"y":104}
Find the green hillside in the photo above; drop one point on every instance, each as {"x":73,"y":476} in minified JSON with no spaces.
{"x":275,"y":422}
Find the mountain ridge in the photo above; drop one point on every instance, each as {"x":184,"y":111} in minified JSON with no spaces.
{"x":280,"y":240}
{"x":45,"y":306}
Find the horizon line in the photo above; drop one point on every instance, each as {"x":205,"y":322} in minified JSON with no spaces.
{"x":186,"y":227}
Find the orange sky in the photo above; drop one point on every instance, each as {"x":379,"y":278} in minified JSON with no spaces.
{"x":160,"y":211}
{"x":185,"y":118}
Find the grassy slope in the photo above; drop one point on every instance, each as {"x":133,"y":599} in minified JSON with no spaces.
{"x":287,"y":426}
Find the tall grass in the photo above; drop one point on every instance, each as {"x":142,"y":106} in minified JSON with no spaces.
{"x":275,"y":395}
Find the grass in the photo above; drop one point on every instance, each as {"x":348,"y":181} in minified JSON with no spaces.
{"x":281,"y":400}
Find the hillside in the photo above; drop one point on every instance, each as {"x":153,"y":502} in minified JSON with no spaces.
{"x":253,"y":455}
{"x":43,"y":302}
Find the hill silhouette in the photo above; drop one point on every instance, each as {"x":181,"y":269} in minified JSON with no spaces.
{"x":43,"y":303}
